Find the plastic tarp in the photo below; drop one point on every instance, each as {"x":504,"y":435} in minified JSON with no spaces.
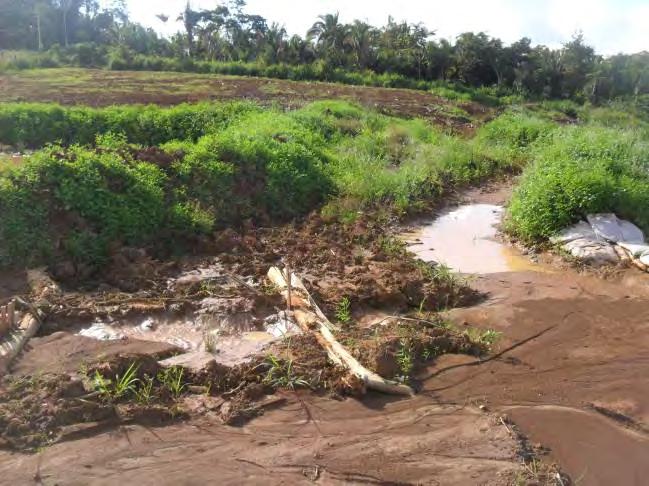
{"x":608,"y":227}
{"x":581,"y":230}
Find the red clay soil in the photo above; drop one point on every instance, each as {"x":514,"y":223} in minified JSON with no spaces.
{"x":307,"y":440}
{"x":580,"y":387}
{"x":570,"y":372}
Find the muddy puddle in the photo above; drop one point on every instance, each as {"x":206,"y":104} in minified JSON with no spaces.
{"x":228,"y":326}
{"x":232,"y":339}
{"x":465,"y":240}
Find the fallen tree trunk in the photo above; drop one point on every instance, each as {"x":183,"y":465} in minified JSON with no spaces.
{"x":15,"y":340}
{"x":312,"y":320}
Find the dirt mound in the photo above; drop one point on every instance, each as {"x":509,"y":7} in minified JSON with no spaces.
{"x":360,"y":261}
{"x":397,"y":348}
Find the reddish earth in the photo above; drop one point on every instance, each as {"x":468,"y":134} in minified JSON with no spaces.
{"x":580,"y":387}
{"x":102,"y":88}
{"x":308,"y":440}
{"x":569,"y":374}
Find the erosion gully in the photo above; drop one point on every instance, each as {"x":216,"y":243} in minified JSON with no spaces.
{"x":568,"y":378}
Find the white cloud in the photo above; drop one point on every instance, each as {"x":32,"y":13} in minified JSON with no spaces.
{"x":610,"y":25}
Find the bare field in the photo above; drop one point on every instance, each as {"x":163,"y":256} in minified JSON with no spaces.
{"x":95,"y":87}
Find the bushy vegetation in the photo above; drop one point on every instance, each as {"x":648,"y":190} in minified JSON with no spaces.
{"x":220,"y":165}
{"x":266,"y":165}
{"x":577,"y":170}
{"x":36,"y":124}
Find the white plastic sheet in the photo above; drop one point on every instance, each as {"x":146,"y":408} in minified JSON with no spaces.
{"x":608,"y":227}
{"x":581,"y":230}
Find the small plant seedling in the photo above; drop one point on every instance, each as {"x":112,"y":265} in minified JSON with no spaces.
{"x":209,"y":340}
{"x":102,"y":385}
{"x":118,"y":388}
{"x":405,"y":359}
{"x":343,"y":310}
{"x":126,"y":384}
{"x":280,"y":374}
{"x":172,"y":380}
{"x":144,"y":394}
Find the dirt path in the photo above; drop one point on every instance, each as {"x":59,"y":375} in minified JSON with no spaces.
{"x":351,"y":442}
{"x":580,"y":387}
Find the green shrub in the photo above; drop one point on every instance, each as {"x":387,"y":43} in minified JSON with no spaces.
{"x":220,"y":165}
{"x":274,"y":166}
{"x":37,"y":124}
{"x":511,"y":136}
{"x":581,"y":170}
{"x":85,"y":199}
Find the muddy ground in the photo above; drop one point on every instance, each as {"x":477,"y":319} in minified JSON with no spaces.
{"x":103,"y":88}
{"x":565,"y":384}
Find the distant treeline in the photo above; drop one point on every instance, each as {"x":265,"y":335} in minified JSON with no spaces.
{"x":80,"y":32}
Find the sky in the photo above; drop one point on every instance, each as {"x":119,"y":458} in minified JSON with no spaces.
{"x":611,"y":26}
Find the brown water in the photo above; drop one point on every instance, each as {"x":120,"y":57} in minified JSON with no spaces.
{"x":465,"y":240}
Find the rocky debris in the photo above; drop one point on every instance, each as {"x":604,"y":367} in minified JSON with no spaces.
{"x":604,"y":239}
{"x":197,"y":276}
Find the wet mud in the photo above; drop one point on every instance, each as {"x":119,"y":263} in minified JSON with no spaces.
{"x":565,"y":383}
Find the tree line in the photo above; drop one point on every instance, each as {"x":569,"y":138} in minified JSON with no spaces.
{"x":228,"y":33}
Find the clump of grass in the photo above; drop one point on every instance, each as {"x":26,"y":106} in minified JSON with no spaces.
{"x":343,"y":310}
{"x":172,"y":381}
{"x":281,"y":374}
{"x":120,"y":387}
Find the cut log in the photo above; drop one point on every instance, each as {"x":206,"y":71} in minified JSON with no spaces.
{"x":15,"y":341}
{"x":312,"y":320}
{"x":622,"y":253}
{"x":7,"y":318}
{"x":630,"y":257}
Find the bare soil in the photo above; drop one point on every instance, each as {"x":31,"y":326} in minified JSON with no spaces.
{"x":566,"y":382}
{"x":103,"y":88}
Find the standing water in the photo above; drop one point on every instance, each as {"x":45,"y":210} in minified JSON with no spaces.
{"x":465,"y":240}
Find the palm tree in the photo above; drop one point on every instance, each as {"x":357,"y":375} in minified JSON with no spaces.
{"x":190,"y":19}
{"x":275,"y":43}
{"x":361,"y":39}
{"x":330,"y":36}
